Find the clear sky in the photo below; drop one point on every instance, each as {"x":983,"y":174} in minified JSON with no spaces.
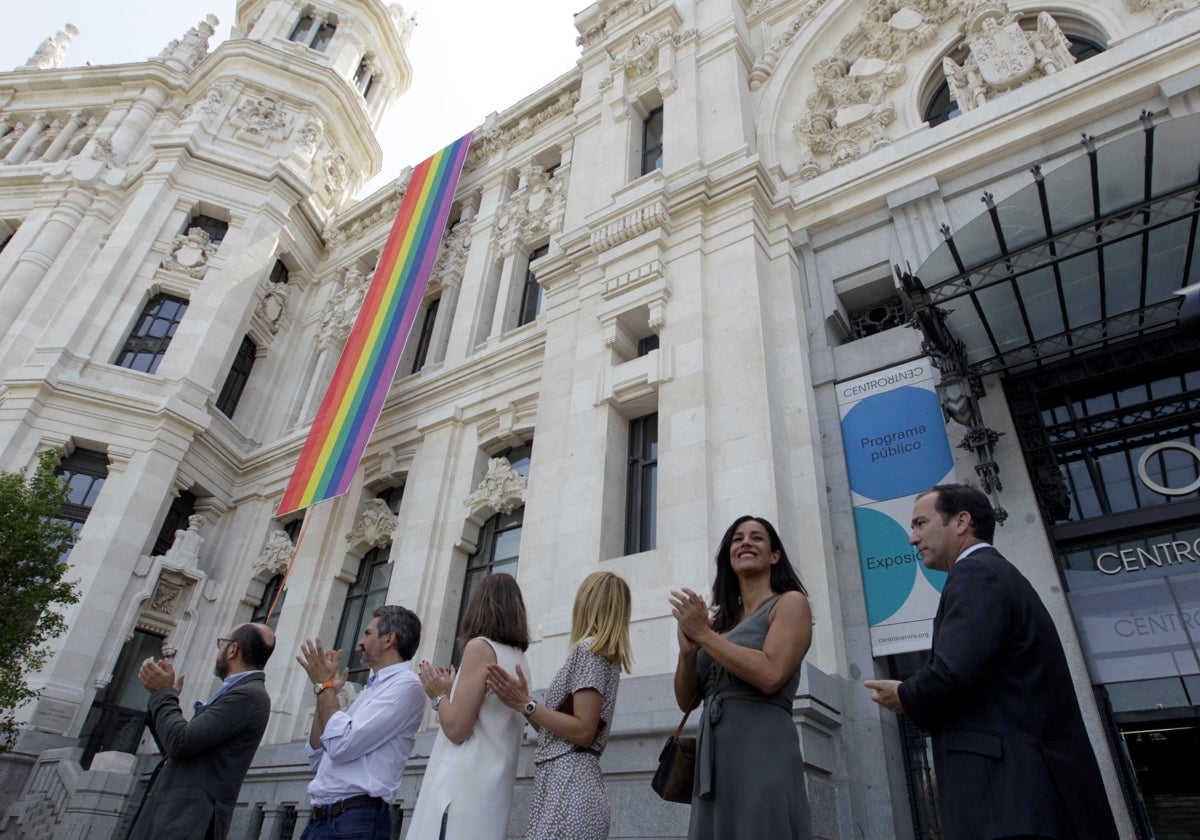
{"x":469,"y":57}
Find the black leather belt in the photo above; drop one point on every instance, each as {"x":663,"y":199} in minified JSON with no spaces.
{"x":327,"y":812}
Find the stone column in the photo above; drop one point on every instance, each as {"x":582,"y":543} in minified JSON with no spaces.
{"x":18,"y":288}
{"x":32,"y":132}
{"x":74,"y":123}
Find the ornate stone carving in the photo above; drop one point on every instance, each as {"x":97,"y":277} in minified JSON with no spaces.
{"x":243,"y":30}
{"x":336,"y":172}
{"x":376,"y":525}
{"x":629,"y":226}
{"x":186,"y":53}
{"x":337,"y":318}
{"x":847,"y":114}
{"x":537,"y":208}
{"x":262,"y":118}
{"x":53,"y":50}
{"x":502,"y":489}
{"x":308,"y":136}
{"x":765,"y":66}
{"x":1002,"y":54}
{"x":492,"y":138}
{"x":211,"y":104}
{"x":166,"y":597}
{"x":190,"y":253}
{"x":404,"y":23}
{"x":351,"y":226}
{"x":271,"y":305}
{"x":620,"y":12}
{"x":276,"y":555}
{"x":102,"y":150}
{"x":452,"y":255}
{"x":185,"y":550}
{"x":1162,"y":9}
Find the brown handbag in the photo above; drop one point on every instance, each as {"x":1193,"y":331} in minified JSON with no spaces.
{"x":676,"y":766}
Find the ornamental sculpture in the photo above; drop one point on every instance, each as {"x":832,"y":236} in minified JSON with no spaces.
{"x":502,"y":489}
{"x":262,"y":118}
{"x":276,"y":555}
{"x":186,"y":53}
{"x":190,"y":253}
{"x":376,"y":525}
{"x":537,"y":208}
{"x":51,"y":52}
{"x":341,"y":310}
{"x":1003,"y":55}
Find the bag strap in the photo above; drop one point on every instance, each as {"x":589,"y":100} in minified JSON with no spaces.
{"x":695,"y":699}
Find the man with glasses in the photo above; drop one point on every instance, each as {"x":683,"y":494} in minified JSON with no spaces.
{"x":359,"y":754}
{"x":194,"y":789}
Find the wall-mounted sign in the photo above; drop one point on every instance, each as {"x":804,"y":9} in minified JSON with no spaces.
{"x":896,"y":447}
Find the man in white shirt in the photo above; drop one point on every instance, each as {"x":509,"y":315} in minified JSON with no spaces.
{"x":359,"y":755}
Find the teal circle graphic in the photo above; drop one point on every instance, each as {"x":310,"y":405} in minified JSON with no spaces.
{"x":889,"y":564}
{"x":896,"y":444}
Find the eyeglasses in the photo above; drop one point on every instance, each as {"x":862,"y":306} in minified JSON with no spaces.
{"x":224,"y":641}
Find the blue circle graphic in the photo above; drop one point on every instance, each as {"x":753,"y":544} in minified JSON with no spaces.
{"x":896,"y":444}
{"x":889,"y":564}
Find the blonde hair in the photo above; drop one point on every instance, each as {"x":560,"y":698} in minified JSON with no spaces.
{"x":602,"y":609}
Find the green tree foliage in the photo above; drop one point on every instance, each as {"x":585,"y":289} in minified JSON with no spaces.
{"x":32,"y":544}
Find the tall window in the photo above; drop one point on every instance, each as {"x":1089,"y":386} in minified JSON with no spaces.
{"x":365,"y":595}
{"x":499,"y":544}
{"x":364,"y":77}
{"x":312,"y":33}
{"x":118,"y":714}
{"x":84,"y":472}
{"x":324,"y":36}
{"x":215,"y":228}
{"x":531,"y":293}
{"x":264,"y":605}
{"x":182,"y":507}
{"x":641,"y":498}
{"x":652,"y":141}
{"x":152,"y":335}
{"x":239,"y":373}
{"x":426,"y":335}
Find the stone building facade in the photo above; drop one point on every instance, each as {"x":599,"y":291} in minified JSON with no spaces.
{"x":661,"y":273}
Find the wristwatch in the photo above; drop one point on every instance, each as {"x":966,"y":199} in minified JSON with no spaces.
{"x":319,"y":687}
{"x":437,"y":701}
{"x":529,"y":707}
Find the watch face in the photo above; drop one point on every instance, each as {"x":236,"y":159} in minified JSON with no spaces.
{"x":529,"y":707}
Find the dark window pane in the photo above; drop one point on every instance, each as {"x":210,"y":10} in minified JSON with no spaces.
{"x":151,"y":336}
{"x":84,"y":472}
{"x":279,"y":272}
{"x":531,"y":294}
{"x":303,"y":29}
{"x":239,"y":374}
{"x":652,"y":141}
{"x":324,"y":36}
{"x":426,"y":335}
{"x":642,"y":485}
{"x":215,"y":228}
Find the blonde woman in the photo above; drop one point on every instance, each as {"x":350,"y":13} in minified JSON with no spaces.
{"x":468,"y":786}
{"x":573,"y":724}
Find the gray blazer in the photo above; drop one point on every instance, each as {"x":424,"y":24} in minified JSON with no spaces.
{"x":194,"y":790}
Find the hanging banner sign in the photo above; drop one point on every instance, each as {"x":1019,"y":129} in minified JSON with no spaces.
{"x":896,"y":446}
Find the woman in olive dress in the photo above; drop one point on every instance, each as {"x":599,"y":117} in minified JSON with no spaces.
{"x":745,"y":661}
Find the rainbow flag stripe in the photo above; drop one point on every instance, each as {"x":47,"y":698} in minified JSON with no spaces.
{"x":364,"y":374}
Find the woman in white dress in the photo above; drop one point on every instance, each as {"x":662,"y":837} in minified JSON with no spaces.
{"x":468,"y":786}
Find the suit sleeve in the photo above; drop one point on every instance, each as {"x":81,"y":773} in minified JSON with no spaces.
{"x":976,"y":615}
{"x":179,"y":738}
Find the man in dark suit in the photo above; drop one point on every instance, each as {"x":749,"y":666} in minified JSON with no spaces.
{"x":194,"y":790}
{"x":1013,"y":759}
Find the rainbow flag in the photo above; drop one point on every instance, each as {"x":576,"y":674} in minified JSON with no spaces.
{"x":364,"y":374}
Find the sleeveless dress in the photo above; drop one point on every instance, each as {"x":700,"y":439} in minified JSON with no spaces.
{"x":472,"y":782}
{"x":749,"y":774}
{"x":569,"y":801}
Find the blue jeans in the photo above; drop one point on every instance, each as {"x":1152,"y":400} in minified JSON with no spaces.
{"x":356,"y":824}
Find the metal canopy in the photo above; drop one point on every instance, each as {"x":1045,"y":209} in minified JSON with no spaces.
{"x":1089,"y":254}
